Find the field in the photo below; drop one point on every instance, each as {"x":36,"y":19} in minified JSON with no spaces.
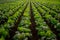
{"x":29,"y":19}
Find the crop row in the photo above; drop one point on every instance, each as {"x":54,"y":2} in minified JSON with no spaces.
{"x":43,"y":29}
{"x":28,"y":21}
{"x":50,"y":11}
{"x":50,"y":21}
{"x":23,"y":32}
{"x":6,"y":27}
{"x":8,"y":11}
